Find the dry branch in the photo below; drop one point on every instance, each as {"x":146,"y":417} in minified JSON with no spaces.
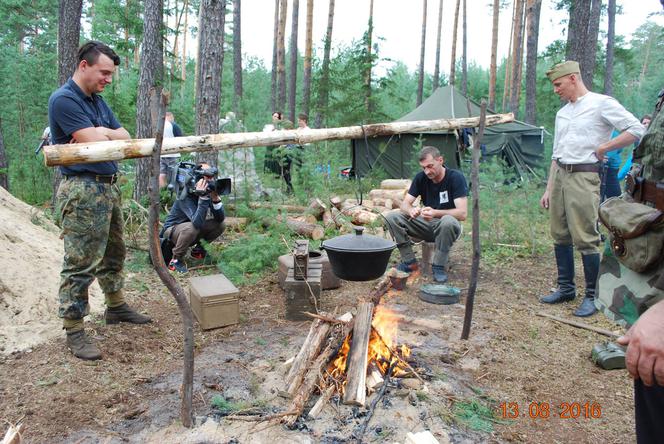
{"x":310,"y":349}
{"x":131,"y":149}
{"x":578,"y":324}
{"x":321,"y":402}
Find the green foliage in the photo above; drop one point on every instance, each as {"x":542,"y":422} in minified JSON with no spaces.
{"x":474,"y":414}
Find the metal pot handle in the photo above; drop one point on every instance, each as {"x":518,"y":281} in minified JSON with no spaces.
{"x":358,"y":230}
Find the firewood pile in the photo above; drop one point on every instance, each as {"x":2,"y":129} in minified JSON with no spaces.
{"x":351,"y":356}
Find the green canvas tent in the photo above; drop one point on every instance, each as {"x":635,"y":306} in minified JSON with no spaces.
{"x":519,"y":144}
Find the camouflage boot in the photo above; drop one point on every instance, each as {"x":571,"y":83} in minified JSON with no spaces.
{"x":122,"y":313}
{"x":82,"y":346}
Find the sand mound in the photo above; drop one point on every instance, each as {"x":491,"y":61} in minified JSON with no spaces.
{"x":31,"y":258}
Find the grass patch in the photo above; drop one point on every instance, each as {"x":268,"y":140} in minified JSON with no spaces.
{"x":475,"y":415}
{"x":226,"y":407}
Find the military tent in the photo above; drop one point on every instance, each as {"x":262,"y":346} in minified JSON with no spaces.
{"x":519,"y":144}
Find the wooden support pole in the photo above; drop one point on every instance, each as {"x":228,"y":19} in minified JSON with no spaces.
{"x":475,"y":185}
{"x":76,"y":153}
{"x":356,"y":375}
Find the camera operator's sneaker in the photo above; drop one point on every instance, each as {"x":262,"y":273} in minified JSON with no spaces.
{"x":408,"y":267}
{"x":177,"y":265}
{"x":198,"y":252}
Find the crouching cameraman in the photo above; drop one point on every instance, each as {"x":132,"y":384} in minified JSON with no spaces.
{"x":197,"y":214}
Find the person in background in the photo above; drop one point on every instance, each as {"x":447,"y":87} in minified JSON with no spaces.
{"x":582,"y":139}
{"x":88,"y":200}
{"x":167,"y":162}
{"x":177,"y":131}
{"x":645,"y":121}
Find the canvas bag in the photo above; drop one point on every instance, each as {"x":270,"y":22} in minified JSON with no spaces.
{"x":636,"y":232}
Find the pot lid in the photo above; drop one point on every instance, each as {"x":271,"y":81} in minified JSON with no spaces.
{"x":358,"y":242}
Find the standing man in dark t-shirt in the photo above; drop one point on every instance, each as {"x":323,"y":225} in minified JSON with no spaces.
{"x":444,"y":196}
{"x":89,"y":208}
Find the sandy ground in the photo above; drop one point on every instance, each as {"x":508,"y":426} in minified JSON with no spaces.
{"x":31,"y":256}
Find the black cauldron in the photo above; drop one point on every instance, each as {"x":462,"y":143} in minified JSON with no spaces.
{"x":358,"y":256}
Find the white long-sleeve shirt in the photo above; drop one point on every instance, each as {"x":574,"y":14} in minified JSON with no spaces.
{"x":582,"y":126}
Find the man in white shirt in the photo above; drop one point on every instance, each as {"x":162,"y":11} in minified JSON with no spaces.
{"x":582,"y":138}
{"x":167,"y":161}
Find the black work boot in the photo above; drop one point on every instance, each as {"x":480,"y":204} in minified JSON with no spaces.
{"x":122,"y":313}
{"x":82,"y":346}
{"x":590,"y":272}
{"x":565,"y":262}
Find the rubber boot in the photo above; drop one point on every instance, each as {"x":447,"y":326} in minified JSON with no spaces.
{"x":115,"y":315}
{"x":565,"y":262}
{"x":590,"y":272}
{"x":82,"y":346}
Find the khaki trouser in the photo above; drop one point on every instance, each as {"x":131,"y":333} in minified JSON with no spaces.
{"x":444,"y":232}
{"x":185,"y":235}
{"x":573,"y":206}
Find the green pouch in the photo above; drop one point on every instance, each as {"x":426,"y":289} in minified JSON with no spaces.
{"x":608,"y":356}
{"x":636,"y":232}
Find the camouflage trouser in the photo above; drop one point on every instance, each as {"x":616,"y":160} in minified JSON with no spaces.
{"x":90,"y":215}
{"x":623,"y":294}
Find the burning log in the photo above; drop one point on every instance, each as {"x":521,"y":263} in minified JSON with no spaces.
{"x":315,"y":372}
{"x":322,"y":401}
{"x":131,"y":149}
{"x":356,"y":374}
{"x":312,"y":344}
{"x":374,"y":379}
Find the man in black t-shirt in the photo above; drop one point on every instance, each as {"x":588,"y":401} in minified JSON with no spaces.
{"x":443,"y":193}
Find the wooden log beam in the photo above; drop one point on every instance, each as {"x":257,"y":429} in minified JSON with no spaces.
{"x":356,"y":375}
{"x":310,"y":349}
{"x":76,"y":153}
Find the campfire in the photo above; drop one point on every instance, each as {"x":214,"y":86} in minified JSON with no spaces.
{"x":350,"y":356}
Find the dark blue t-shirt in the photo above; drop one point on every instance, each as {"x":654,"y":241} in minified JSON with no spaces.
{"x":69,"y":110}
{"x":439,"y":196}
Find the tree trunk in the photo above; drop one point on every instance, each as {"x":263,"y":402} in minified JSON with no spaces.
{"x":464,"y":61}
{"x":69,"y":34}
{"x":275,"y":52}
{"x":533,"y":13}
{"x":211,"y":61}
{"x":151,"y":74}
{"x":281,"y":57}
{"x":237,"y":56}
{"x":324,"y":87}
{"x":507,"y":86}
{"x":369,"y":61}
{"x":292,"y":86}
{"x":420,"y":78}
{"x":184,"y":48}
{"x":610,"y":42}
{"x":308,"y":44}
{"x":69,"y":154}
{"x":454,"y":40}
{"x":516,"y":59}
{"x":4,"y":165}
{"x":436,"y":70}
{"x":494,"y":55}
{"x":583,"y":29}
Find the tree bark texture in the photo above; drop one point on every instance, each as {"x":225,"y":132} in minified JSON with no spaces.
{"x":475,"y":186}
{"x":69,"y":154}
{"x":281,"y":57}
{"x":292,"y":74}
{"x":4,"y":165}
{"x":533,"y":10}
{"x":237,"y":56}
{"x":507,"y":86}
{"x":308,"y":45}
{"x":369,"y":61}
{"x":275,"y":52}
{"x":584,"y":16}
{"x":454,"y":40}
{"x":464,"y":53}
{"x":420,"y":77}
{"x":494,"y":55}
{"x":211,"y":60}
{"x":439,"y":28}
{"x":324,"y":86}
{"x":610,"y":43}
{"x":313,"y":343}
{"x":151,"y":74}
{"x":69,"y":34}
{"x":517,"y":44}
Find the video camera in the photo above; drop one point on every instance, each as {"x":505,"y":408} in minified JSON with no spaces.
{"x":188,"y":175}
